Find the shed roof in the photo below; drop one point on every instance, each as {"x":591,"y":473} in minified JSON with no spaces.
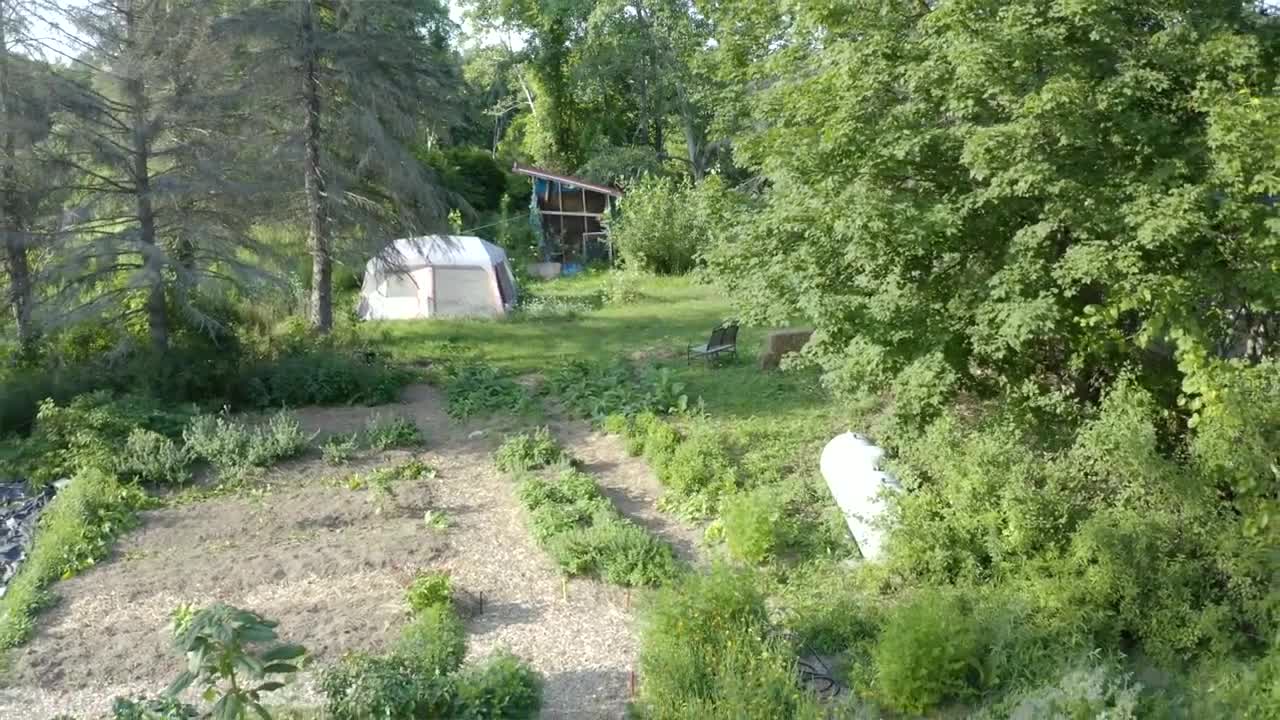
{"x":438,"y":250}
{"x":565,"y":179}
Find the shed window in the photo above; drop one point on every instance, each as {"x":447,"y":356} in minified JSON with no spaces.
{"x":401,"y":285}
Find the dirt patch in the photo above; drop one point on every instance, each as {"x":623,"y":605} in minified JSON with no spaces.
{"x":330,"y":565}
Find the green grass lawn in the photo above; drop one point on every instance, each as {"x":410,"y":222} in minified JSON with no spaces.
{"x":775,"y":419}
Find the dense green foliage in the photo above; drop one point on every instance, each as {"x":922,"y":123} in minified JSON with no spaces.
{"x":586,"y":535}
{"x":233,"y":447}
{"x":668,"y":224}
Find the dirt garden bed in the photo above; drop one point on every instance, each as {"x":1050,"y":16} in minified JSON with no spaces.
{"x":330,"y":564}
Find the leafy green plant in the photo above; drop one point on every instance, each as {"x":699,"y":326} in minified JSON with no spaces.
{"x":435,"y":520}
{"x":929,"y":650}
{"x":429,"y":589}
{"x":755,"y":525}
{"x":502,"y":687}
{"x":528,"y":451}
{"x":434,"y":641}
{"x":598,"y":390}
{"x":396,"y":431}
{"x":370,"y":687}
{"x":75,"y":531}
{"x":340,"y":450}
{"x":233,"y":657}
{"x":320,"y":376}
{"x":151,"y":457}
{"x":480,"y":390}
{"x":697,"y":472}
{"x":706,"y":651}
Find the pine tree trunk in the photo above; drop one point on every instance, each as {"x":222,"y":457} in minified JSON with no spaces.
{"x":11,"y":226}
{"x":317,"y":229}
{"x":152,"y":254}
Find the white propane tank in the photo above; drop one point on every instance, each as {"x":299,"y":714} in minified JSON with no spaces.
{"x":849,"y":464}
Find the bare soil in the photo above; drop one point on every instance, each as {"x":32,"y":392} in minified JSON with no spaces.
{"x":330,"y":564}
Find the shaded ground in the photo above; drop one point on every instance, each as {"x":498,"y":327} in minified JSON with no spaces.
{"x":330,"y":564}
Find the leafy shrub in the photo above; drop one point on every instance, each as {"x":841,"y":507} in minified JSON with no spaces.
{"x":429,"y":589}
{"x":434,"y":642}
{"x":697,"y":472}
{"x":480,"y":389}
{"x":502,"y":687}
{"x":706,"y":652}
{"x":623,"y":288}
{"x":1086,"y":691}
{"x":231,"y":446}
{"x":339,"y":451}
{"x":153,"y":458}
{"x":160,"y":708}
{"x":528,"y":451}
{"x":754,"y":524}
{"x":320,"y":376}
{"x":397,"y":431}
{"x":370,"y":687}
{"x":76,"y":530}
{"x":929,"y":650}
{"x":668,"y":223}
{"x":87,"y":433}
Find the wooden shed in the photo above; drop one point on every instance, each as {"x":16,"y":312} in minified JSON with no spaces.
{"x":569,"y":213}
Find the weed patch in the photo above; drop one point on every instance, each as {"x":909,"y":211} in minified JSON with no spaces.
{"x":429,"y":589}
{"x":596,"y":390}
{"x":340,"y":450}
{"x":481,"y":390}
{"x":150,"y":457}
{"x":321,"y":377}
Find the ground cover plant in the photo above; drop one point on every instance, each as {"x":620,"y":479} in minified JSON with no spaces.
{"x":476,"y":389}
{"x":395,"y":431}
{"x":586,"y":535}
{"x":75,"y":531}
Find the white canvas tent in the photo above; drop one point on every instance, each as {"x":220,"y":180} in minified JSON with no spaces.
{"x":437,"y":276}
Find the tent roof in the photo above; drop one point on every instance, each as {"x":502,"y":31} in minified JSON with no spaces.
{"x":439,"y":250}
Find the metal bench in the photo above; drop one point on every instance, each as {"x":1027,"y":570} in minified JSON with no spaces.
{"x":723,"y":341}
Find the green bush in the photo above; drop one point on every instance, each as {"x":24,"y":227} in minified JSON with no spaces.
{"x":370,"y":687}
{"x":480,"y":390}
{"x":697,"y":473}
{"x":503,"y":687}
{"x":429,"y":589}
{"x":320,"y":376}
{"x":340,"y":450}
{"x":755,"y":524}
{"x":434,"y":642}
{"x":668,"y":223}
{"x":396,"y":431}
{"x":706,"y":651}
{"x":930,"y":650}
{"x":76,"y":530}
{"x":616,"y":424}
{"x":153,"y":458}
{"x":88,"y":432}
{"x":231,"y":446}
{"x":528,"y":451}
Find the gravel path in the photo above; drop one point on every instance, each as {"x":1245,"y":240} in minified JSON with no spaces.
{"x":331,"y":565}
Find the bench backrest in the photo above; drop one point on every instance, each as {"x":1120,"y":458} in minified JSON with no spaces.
{"x":726,"y":333}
